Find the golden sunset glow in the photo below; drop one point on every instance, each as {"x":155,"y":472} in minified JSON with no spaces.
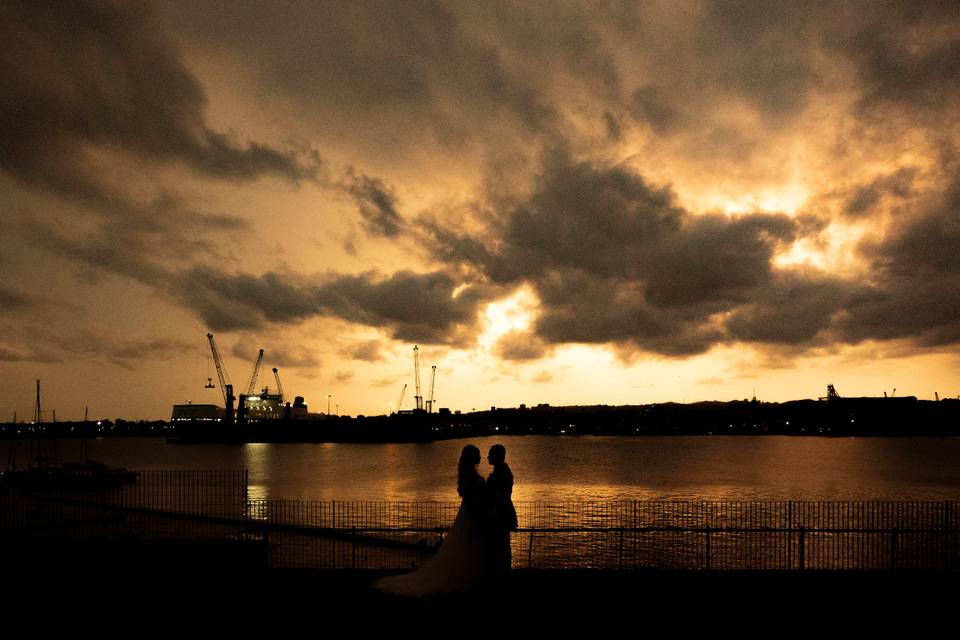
{"x":514,"y":313}
{"x":786,"y":199}
{"x":558,"y":203}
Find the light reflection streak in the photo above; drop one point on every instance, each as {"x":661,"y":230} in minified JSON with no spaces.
{"x":256,"y":457}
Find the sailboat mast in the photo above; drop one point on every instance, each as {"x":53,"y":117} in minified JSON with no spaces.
{"x":38,"y":415}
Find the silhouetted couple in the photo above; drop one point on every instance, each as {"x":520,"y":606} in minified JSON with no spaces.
{"x":476,"y":551}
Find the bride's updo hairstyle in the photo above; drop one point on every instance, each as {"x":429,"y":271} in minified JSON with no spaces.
{"x":467,"y":469}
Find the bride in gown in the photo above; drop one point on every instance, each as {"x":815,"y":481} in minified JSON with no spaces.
{"x":458,"y":566}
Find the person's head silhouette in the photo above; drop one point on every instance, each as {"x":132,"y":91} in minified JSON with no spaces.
{"x":497,"y":454}
{"x":469,"y":457}
{"x":467,"y":476}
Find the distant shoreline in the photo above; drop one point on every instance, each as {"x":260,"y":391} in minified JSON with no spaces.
{"x":836,"y":417}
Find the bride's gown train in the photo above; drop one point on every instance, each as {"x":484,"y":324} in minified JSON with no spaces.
{"x":457,"y":567}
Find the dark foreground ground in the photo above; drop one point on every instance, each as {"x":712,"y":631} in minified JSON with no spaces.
{"x":342,"y":604}
{"x":188,"y":590}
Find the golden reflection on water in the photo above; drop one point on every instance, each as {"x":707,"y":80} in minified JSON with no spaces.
{"x":392,"y":463}
{"x":579,"y":469}
{"x":256,"y":456}
{"x":565,"y":469}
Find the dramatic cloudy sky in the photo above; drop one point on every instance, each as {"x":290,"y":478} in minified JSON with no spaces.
{"x":607,"y":202}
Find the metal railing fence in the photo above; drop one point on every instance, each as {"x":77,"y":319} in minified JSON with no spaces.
{"x":649,"y":534}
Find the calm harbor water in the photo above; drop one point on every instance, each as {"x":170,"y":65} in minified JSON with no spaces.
{"x":559,"y":468}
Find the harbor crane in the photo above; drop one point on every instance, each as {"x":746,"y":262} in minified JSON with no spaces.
{"x":831,"y":393}
{"x":252,"y":387}
{"x":433,"y":379}
{"x":221,"y":373}
{"x":416,"y":377}
{"x":400,"y":401}
{"x":226,"y":387}
{"x":276,"y":376}
{"x":209,"y":384}
{"x":38,"y":412}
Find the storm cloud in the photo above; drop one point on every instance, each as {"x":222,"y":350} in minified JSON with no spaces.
{"x":11,"y":299}
{"x":917,"y":267}
{"x":611,"y":255}
{"x":865,"y":198}
{"x":277,"y":353}
{"x":908,"y":57}
{"x":376,"y":203}
{"x":661,"y":179}
{"x":381,"y":70}
{"x":27,"y":343}
{"x":613,"y":258}
{"x":427,"y":307}
{"x":80,"y":79}
{"x":367,"y":351}
{"x":520,"y":345}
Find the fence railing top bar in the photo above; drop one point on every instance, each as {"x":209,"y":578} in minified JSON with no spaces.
{"x":770,"y":504}
{"x":193,"y":471}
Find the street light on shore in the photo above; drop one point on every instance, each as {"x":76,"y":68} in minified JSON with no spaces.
{"x":328,"y":404}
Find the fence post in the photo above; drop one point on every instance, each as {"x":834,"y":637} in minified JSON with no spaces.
{"x":271,"y":556}
{"x":530,"y":550}
{"x":709,"y":547}
{"x":893,"y":549}
{"x":621,"y":548}
{"x":246,"y":485}
{"x":802,"y":548}
{"x":946,"y":536}
{"x":790,"y":535}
